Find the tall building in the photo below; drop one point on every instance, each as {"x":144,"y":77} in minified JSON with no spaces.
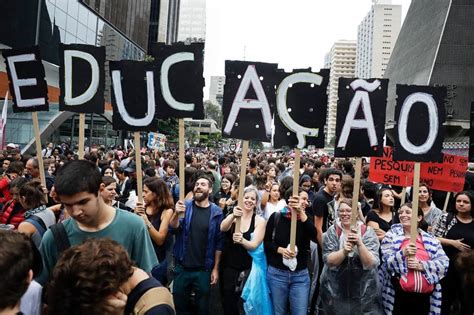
{"x":435,"y":48}
{"x":192,"y":21}
{"x":376,"y":37}
{"x":216,"y":90}
{"x":122,"y":28}
{"x":164,"y":17}
{"x":131,"y":17}
{"x":342,"y":58}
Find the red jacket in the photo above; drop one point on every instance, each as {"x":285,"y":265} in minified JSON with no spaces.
{"x":13,"y":214}
{"x":4,"y":190}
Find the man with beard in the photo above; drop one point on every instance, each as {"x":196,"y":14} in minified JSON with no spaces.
{"x":198,"y":247}
{"x":77,"y":187}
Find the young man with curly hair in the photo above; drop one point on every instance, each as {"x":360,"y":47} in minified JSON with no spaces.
{"x":77,"y":187}
{"x":98,"y":277}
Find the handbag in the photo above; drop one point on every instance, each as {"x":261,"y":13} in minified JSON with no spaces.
{"x":414,"y":280}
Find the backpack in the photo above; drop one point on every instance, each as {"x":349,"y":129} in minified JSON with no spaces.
{"x":60,"y":237}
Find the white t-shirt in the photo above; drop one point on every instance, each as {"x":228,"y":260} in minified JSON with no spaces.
{"x":270,"y":208}
{"x":31,"y":301}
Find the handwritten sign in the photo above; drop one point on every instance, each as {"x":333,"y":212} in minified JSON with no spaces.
{"x":445,"y":176}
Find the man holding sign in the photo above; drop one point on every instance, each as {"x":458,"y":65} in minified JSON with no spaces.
{"x":198,"y":247}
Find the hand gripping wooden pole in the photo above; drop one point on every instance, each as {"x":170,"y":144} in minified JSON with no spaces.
{"x":138,"y":165}
{"x":296,"y":184}
{"x":355,"y":193}
{"x":243,"y":174}
{"x":182,"y":163}
{"x":414,"y":212}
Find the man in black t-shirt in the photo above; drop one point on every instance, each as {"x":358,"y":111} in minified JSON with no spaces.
{"x":198,"y":247}
{"x":322,"y":218}
{"x":322,"y":221}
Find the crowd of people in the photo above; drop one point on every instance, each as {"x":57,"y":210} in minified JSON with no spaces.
{"x":86,"y":243}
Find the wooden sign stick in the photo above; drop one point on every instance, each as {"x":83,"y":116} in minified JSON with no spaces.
{"x":296,"y":184}
{"x":39,"y":155}
{"x":82,"y":122}
{"x":404,"y":195}
{"x":446,"y":202}
{"x":182,"y":163}
{"x":243,"y":174}
{"x":404,"y":192}
{"x":138,"y":164}
{"x":355,"y":193}
{"x":414,"y":213}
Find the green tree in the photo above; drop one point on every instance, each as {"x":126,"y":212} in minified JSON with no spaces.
{"x":212,"y":111}
{"x":169,"y":127}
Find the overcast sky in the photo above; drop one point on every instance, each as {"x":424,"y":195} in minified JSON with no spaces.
{"x":294,"y":34}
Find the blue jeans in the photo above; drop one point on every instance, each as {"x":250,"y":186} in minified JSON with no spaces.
{"x":286,"y":284}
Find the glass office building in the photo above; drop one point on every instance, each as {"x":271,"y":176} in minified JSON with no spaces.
{"x":70,"y":21}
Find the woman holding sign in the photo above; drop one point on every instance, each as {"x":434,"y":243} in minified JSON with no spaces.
{"x":236,"y":261}
{"x":287,"y":275}
{"x":349,"y":281}
{"x":411,"y":273}
{"x":456,"y":233}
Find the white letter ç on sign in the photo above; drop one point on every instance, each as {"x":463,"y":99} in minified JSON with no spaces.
{"x":301,"y":132}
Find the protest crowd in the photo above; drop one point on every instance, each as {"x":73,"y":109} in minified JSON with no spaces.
{"x":86,"y":244}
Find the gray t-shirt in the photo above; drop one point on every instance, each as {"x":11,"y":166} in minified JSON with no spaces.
{"x":433,"y":215}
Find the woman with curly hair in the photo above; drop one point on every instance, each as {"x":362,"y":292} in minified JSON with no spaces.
{"x":98,"y":277}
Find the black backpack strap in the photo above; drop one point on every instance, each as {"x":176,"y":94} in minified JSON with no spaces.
{"x":276,"y":219}
{"x":60,"y":237}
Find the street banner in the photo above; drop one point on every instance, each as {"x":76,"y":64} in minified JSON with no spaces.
{"x":445,"y":176}
{"x":301,"y":109}
{"x":360,"y":123}
{"x":26,"y":78}
{"x":156,"y":141}
{"x":81,"y":78}
{"x":420,"y":115}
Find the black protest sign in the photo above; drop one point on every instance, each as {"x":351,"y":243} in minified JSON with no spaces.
{"x":301,"y":109}
{"x":471,"y":135}
{"x":133,"y":95}
{"x":27,"y":79}
{"x":81,"y":78}
{"x":360,"y":117}
{"x":420,"y":115}
{"x":249,"y":98}
{"x":180,"y":81}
